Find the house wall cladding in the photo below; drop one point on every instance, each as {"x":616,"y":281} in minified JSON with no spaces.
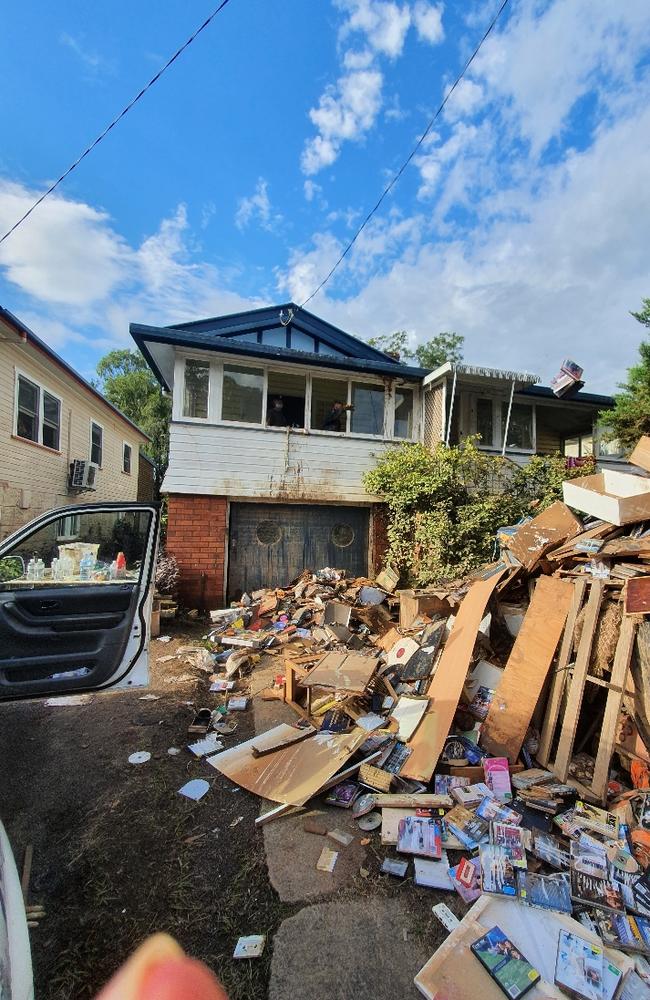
{"x":196,"y":536}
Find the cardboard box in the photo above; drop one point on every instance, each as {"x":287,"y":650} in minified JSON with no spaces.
{"x":616,"y":497}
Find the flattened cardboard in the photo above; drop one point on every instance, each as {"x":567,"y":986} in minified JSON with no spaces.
{"x":509,"y":715}
{"x":342,"y":671}
{"x":641,"y":454}
{"x":546,"y":531}
{"x":446,"y":687}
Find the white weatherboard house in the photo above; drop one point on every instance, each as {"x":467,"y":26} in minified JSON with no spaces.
{"x":266,"y":465}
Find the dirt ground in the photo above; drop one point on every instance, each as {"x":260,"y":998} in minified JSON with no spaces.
{"x":119,"y":854}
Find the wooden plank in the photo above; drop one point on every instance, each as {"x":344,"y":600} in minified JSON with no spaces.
{"x":620,"y":668}
{"x":637,"y":596}
{"x":641,"y":454}
{"x":509,"y":715}
{"x":560,"y":674}
{"x":640,"y":670}
{"x":577,"y":686}
{"x":27,"y":871}
{"x":425,"y":800}
{"x":546,"y":531}
{"x":284,"y":809}
{"x":343,"y":672}
{"x":446,"y":686}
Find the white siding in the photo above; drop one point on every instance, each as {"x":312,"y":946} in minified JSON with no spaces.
{"x":272,"y":464}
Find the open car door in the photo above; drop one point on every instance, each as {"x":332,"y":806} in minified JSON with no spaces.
{"x":76,"y":586}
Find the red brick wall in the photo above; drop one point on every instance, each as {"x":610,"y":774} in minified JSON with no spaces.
{"x":196,"y":535}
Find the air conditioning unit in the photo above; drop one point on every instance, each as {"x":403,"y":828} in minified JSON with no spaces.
{"x":83,"y":475}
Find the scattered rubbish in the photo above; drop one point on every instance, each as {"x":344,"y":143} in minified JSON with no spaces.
{"x":327,"y":860}
{"x":202,"y":748}
{"x":173,"y":751}
{"x":222,"y":685}
{"x":139,"y":757}
{"x":162,"y":638}
{"x":62,"y":701}
{"x":340,"y":837}
{"x":391,"y":866}
{"x":371,"y":821}
{"x":310,"y":825}
{"x":195,"y":789}
{"x":251,"y":946}
{"x":149,"y":697}
{"x":201,"y":721}
{"x":236,"y":822}
{"x":445,"y":916}
{"x":239,"y":704}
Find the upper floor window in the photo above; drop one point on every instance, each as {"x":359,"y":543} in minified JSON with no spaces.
{"x":367,"y":408}
{"x":196,"y":388}
{"x":126,"y":458}
{"x":38,"y":414}
{"x":96,"y":443}
{"x":403,"y":424}
{"x":520,"y":427}
{"x":243,"y":393}
{"x":285,"y":406}
{"x":490,"y":421}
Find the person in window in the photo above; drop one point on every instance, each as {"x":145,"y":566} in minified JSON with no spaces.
{"x":276,"y":417}
{"x":335,"y":419}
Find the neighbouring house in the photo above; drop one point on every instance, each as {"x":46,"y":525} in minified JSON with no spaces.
{"x":53,"y":424}
{"x":265,"y":474}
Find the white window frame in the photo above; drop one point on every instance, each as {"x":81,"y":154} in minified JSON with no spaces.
{"x":125,"y":445}
{"x":40,"y":416}
{"x":70,"y":521}
{"x":95,"y":423}
{"x":215,"y":395}
{"x":497,"y":440}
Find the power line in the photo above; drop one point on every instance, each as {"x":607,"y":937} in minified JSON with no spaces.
{"x":115,"y":121}
{"x":406,"y":162}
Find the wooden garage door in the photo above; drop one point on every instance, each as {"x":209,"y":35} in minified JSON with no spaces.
{"x":271,"y":544}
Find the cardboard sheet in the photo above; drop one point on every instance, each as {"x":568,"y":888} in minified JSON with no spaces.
{"x":641,"y":454}
{"x":408,"y":712}
{"x":446,"y":687}
{"x":342,"y":671}
{"x":509,"y":715}
{"x":546,"y":531}
{"x":292,"y":775}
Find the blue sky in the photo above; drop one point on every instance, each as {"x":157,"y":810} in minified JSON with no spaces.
{"x":523,"y":223}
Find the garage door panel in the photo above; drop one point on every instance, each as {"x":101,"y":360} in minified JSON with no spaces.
{"x":271,"y":544}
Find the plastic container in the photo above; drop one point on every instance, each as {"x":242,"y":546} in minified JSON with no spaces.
{"x":75,"y":552}
{"x":86,"y":566}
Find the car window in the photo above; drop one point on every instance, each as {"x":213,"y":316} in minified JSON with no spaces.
{"x":93,"y":547}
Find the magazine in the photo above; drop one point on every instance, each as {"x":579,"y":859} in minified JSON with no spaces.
{"x":511,"y":838}
{"x":505,"y":963}
{"x":420,"y":836}
{"x":550,"y":892}
{"x":466,"y":879}
{"x":497,"y":777}
{"x":599,"y":820}
{"x":469,"y":829}
{"x":494,"y":811}
{"x":497,"y":871}
{"x":579,"y":967}
{"x":597,"y":892}
{"x":548,"y":849}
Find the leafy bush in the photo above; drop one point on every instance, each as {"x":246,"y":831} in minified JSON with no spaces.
{"x":446,"y":505}
{"x":167,"y":574}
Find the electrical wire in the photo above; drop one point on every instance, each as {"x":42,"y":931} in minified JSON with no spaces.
{"x":408,"y":159}
{"x":116,"y":120}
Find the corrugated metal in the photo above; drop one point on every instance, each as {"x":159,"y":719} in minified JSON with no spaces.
{"x":271,"y":544}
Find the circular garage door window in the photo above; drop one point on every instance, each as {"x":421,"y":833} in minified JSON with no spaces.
{"x":268,"y":533}
{"x":342,"y":535}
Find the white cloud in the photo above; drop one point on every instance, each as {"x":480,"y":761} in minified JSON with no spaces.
{"x":311,"y":189}
{"x":257,"y":207}
{"x":384,"y":25}
{"x":344,"y":112}
{"x":92,"y":61}
{"x":358,"y":60}
{"x":465,"y":100}
{"x":427,"y":18}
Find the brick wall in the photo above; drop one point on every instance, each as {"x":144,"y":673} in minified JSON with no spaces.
{"x":196,"y":536}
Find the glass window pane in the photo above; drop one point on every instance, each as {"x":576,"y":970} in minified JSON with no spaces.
{"x":285,"y":400}
{"x":403,"y":413}
{"x":126,"y":458}
{"x":302,"y":342}
{"x":572,"y":447}
{"x":276,"y":337}
{"x":324,"y":348}
{"x":368,"y":412}
{"x":242,"y":394}
{"x":485,"y":421}
{"x":250,"y":337}
{"x":98,"y":536}
{"x":51,"y":421}
{"x":196,"y":389}
{"x":96,"y":444}
{"x":328,"y":404}
{"x":587,"y":445}
{"x":520,"y":431}
{"x":27,"y":420}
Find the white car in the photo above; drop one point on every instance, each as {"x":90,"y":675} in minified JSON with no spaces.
{"x":76,"y":586}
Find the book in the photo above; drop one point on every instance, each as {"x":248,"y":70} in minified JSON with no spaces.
{"x":550,"y":892}
{"x":599,"y":820}
{"x":497,"y":871}
{"x":470,"y":795}
{"x":511,"y":838}
{"x":579,"y":967}
{"x":433,"y":874}
{"x":421,"y":836}
{"x":598,"y":892}
{"x":588,"y":857}
{"x":511,"y":971}
{"x":532,"y":776}
{"x":493,"y":811}
{"x":466,"y":879}
{"x":497,"y":777}
{"x":548,"y":849}
{"x":469,"y":829}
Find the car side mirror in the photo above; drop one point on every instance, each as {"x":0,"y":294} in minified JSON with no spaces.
{"x":11,"y":568}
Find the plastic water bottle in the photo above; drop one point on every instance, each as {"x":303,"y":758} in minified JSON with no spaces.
{"x":39,"y":570}
{"x":86,"y":566}
{"x":31,"y":569}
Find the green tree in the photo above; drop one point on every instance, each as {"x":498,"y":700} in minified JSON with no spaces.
{"x":630,"y":418}
{"x":445,"y":346}
{"x":127,"y":381}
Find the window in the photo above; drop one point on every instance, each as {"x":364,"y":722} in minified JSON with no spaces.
{"x":126,"y":458}
{"x":38,"y":414}
{"x":243,"y":391}
{"x":96,"y":443}
{"x":196,"y":389}
{"x":485,"y":421}
{"x":328,"y":401}
{"x":276,"y":337}
{"x":368,"y":412}
{"x":579,"y":446}
{"x":67,"y":528}
{"x":285,"y":400}
{"x":324,"y":348}
{"x":520,"y":430}
{"x":403,"y":425}
{"x":302,"y":342}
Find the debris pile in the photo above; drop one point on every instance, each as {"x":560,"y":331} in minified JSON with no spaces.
{"x":495,"y":733}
